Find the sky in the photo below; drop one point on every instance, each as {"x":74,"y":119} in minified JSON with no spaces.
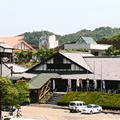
{"x":57,"y":16}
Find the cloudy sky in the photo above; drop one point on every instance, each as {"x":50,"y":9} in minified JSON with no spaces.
{"x":58,"y":16}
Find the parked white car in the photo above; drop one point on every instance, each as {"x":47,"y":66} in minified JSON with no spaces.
{"x":92,"y":108}
{"x":76,"y":106}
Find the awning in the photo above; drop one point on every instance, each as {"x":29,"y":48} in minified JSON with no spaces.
{"x":38,"y":81}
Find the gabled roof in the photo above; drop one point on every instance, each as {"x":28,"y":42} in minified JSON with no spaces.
{"x":77,"y":57}
{"x":24,"y":75}
{"x":38,"y":81}
{"x":17,"y":68}
{"x":13,"y":41}
{"x":86,"y":40}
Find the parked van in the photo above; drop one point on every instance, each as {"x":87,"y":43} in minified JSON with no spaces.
{"x":76,"y":106}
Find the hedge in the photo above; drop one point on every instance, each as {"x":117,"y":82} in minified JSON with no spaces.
{"x":106,"y":100}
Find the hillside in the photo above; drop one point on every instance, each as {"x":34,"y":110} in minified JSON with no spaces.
{"x":97,"y":34}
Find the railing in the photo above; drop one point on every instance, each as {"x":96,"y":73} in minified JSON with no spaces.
{"x":115,"y":91}
{"x":44,"y":90}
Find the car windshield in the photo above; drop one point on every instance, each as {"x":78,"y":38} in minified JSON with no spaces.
{"x":84,"y":104}
{"x":89,"y":106}
{"x":95,"y":106}
{"x":72,"y":104}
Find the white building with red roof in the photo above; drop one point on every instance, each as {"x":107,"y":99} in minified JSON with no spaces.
{"x":17,"y":43}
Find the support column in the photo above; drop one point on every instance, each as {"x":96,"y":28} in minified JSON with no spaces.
{"x":69,"y":85}
{"x":53,"y":85}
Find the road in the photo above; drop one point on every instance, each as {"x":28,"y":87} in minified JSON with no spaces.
{"x":52,"y":112}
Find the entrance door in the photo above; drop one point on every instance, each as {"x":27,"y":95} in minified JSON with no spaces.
{"x":33,"y":96}
{"x":61,"y":85}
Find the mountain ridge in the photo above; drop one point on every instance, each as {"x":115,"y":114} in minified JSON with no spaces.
{"x":97,"y":34}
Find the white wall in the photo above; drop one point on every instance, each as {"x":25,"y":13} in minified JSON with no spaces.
{"x":5,"y":71}
{"x":52,"y":42}
{"x":8,"y":50}
{"x":1,"y":49}
{"x":99,"y":46}
{"x":77,"y":46}
{"x":21,"y":46}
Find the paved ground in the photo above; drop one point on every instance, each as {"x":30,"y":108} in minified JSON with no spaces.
{"x":54,"y":112}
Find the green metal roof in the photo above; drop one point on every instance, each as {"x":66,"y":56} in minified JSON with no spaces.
{"x":38,"y":81}
{"x":87,"y":40}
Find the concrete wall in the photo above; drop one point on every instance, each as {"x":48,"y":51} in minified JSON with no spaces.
{"x":52,"y":42}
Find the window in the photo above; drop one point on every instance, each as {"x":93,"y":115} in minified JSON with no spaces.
{"x":58,"y":59}
{"x":72,"y":104}
{"x":58,"y":66}
{"x":78,"y":104}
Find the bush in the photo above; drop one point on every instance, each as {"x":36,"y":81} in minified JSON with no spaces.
{"x":7,"y":119}
{"x":106,"y":100}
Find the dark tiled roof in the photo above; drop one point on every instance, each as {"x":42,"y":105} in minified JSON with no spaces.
{"x":116,"y":44}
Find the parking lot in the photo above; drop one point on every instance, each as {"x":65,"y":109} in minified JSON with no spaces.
{"x":53,"y":112}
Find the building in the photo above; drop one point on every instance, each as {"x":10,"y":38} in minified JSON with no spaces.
{"x":48,"y":42}
{"x":6,"y":52}
{"x":116,"y":44}
{"x":71,"y":71}
{"x":88,"y":43}
{"x":17,"y":43}
{"x":11,"y":70}
{"x":75,"y":71}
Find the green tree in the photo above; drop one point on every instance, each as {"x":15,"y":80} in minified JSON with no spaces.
{"x":112,"y":51}
{"x":22,"y":56}
{"x":16,"y":56}
{"x":23,"y":93}
{"x":14,"y":94}
{"x":29,"y":55}
{"x":42,"y":53}
{"x":97,"y":34}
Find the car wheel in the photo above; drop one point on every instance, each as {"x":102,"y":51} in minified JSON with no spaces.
{"x":99,"y":111}
{"x":70,"y":111}
{"x":91,"y":112}
{"x":77,"y":111}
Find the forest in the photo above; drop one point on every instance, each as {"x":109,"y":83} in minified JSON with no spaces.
{"x":101,"y":33}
